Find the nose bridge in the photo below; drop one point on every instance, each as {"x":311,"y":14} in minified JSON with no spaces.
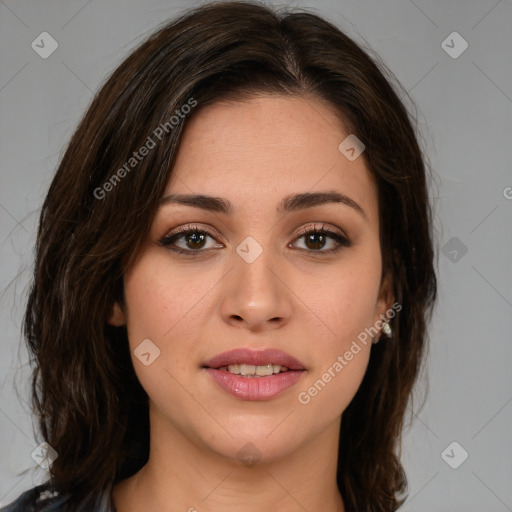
{"x":254,"y":264}
{"x":256,"y":292}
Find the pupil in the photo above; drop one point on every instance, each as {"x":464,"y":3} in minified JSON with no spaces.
{"x":320,"y":236}
{"x":195,"y":236}
{"x":197,"y":239}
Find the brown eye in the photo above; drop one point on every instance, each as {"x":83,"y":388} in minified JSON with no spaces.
{"x":194,"y":240}
{"x":316,"y":240}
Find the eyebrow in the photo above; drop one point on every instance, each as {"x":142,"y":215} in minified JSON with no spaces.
{"x":290,"y":203}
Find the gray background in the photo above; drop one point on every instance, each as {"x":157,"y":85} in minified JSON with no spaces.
{"x":465,"y":117}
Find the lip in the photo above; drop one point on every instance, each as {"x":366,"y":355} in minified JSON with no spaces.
{"x":254,"y":357}
{"x":254,"y":388}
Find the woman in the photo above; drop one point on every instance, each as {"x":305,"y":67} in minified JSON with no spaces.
{"x":234,"y":277}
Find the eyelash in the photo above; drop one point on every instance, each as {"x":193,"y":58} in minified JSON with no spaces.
{"x":167,"y":241}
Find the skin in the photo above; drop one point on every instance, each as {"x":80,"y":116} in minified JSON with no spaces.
{"x":293,"y":297}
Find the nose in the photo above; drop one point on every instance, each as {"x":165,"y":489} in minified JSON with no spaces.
{"x":256,"y":295}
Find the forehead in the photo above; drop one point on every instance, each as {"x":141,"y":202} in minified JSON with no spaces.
{"x":262,"y":149}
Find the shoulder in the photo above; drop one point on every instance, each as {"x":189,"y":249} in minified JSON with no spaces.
{"x":42,"y":498}
{"x":45,"y":498}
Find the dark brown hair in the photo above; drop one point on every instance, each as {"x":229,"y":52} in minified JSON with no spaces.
{"x":89,"y":404}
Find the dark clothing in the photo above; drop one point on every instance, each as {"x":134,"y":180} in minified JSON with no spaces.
{"x":44,"y":498}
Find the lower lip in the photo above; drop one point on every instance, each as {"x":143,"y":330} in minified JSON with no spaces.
{"x":255,"y":388}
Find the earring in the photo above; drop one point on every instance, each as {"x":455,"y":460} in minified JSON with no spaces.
{"x":386,"y":332}
{"x":386,"y":329}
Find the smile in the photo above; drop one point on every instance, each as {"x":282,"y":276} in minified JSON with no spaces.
{"x":249,"y":370}
{"x":254,"y":374}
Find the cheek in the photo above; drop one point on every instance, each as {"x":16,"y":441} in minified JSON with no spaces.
{"x":341,"y":302}
{"x":150,"y":312}
{"x":162,"y":299}
{"x":329,"y":392}
{"x":340,"y":364}
{"x":160,"y":307}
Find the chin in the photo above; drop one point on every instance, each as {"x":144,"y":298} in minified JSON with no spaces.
{"x":255,"y":442}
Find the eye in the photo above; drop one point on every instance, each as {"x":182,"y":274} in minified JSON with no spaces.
{"x":195,"y":239}
{"x":317,"y":238}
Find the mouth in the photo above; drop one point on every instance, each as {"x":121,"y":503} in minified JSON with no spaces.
{"x":242,"y":361}
{"x":254,"y":375}
{"x":251,"y":370}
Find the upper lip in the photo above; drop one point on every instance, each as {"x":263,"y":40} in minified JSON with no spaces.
{"x":254,"y":357}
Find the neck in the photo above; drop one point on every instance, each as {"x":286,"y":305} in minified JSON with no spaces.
{"x":182,"y":474}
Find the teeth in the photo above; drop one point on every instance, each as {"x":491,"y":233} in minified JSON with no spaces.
{"x":249,"y":370}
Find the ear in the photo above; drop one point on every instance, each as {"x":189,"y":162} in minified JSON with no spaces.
{"x":116,"y":317}
{"x":386,"y":296}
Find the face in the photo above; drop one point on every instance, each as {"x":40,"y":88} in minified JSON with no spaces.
{"x":256,"y":277}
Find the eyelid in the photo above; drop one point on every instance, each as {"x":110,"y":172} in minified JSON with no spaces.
{"x":332,"y":231}
{"x":207,"y":228}
{"x":324,"y":227}
{"x":304,"y":230}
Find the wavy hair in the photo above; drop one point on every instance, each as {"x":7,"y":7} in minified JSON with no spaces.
{"x":89,"y":404}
